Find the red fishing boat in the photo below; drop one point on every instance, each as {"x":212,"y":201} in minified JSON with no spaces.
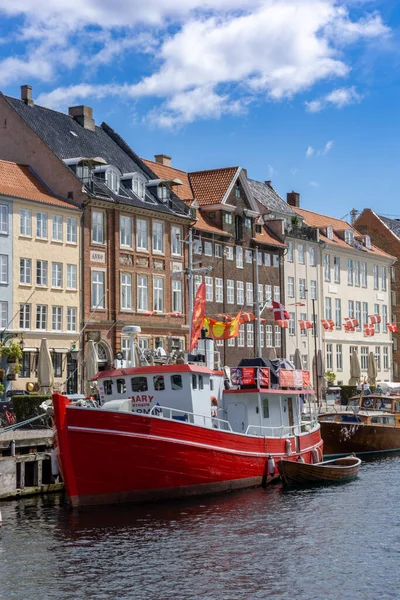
{"x":177,"y":430}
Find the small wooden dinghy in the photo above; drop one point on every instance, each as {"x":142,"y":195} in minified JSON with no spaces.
{"x":330,"y":471}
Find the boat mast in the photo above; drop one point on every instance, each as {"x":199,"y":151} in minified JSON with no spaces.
{"x":258,"y":312}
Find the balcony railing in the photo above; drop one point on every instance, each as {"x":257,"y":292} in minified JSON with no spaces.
{"x":309,"y":234}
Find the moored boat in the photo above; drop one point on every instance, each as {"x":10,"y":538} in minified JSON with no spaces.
{"x":331,"y":471}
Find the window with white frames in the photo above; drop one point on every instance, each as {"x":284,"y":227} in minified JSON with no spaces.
{"x":250,"y":335}
{"x":158,"y":236}
{"x":198,"y":280}
{"x":303,"y":317}
{"x":305,"y":361}
{"x":364,"y":358}
{"x":364,"y":280}
{"x":313,"y":256}
{"x":176,"y":241}
{"x":230,"y":291}
{"x":249,"y":256}
{"x":219,"y":289}
{"x":240,"y":293}
{"x":378,"y":357}
{"x":350,"y":272}
{"x":219,"y":343}
{"x":268,"y":295}
{"x":57,"y":235}
{"x":349,"y":236}
{"x":336,"y":269}
{"x":278,"y":336}
{"x":384,"y":318}
{"x":112,"y":179}
{"x":375,"y":275}
{"x":277,"y":293}
{"x":3,"y":268}
{"x":358,"y":314}
{"x":290,"y":287}
{"x":126,"y":291}
{"x":338,"y":313}
{"x":249,"y":293}
{"x":142,"y":294}
{"x":125,"y":231}
{"x":291,"y":324}
{"x":228,"y":218}
{"x":56,"y":275}
{"x":142,"y":235}
{"x":327,"y":267}
{"x":339,"y":357}
{"x":329,"y":357}
{"x":259,"y":258}
{"x":365,"y":313}
{"x":229,"y":252}
{"x":383,"y":279}
{"x":218,"y":252}
{"x":25,"y":222}
{"x":177,"y":295}
{"x":41,"y":272}
{"x":267,"y":260}
{"x":329,"y":232}
{"x":41,"y":317}
{"x":350,"y":305}
{"x":300,"y":253}
{"x":24,"y":316}
{"x":313,"y":289}
{"x":357,"y":273}
{"x":268,"y":337}
{"x":328,"y":307}
{"x":197,"y":246}
{"x":56,"y":318}
{"x":3,"y":218}
{"x":208,"y":248}
{"x":139,"y":186}
{"x":158,"y":294}
{"x":239,"y":257}
{"x":262,"y":336}
{"x":386,"y":358}
{"x":260,"y":294}
{"x":71,"y":230}
{"x":98,"y":289}
{"x":377,"y":312}
{"x":290,"y":251}
{"x":241,"y":336}
{"x":72,"y":277}
{"x":302,"y":288}
{"x":231,"y":342}
{"x":97,"y":227}
{"x":275,"y":260}
{"x":71,"y":318}
{"x":41,"y":225}
{"x":367,"y":241}
{"x":314,"y":323}
{"x":3,"y":314}
{"x":209,"y":288}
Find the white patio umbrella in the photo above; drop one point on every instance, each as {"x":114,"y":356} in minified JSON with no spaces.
{"x":298,"y":363}
{"x":318,"y":373}
{"x":372,"y":371}
{"x":91,"y":364}
{"x":355,"y":369}
{"x":45,"y":368}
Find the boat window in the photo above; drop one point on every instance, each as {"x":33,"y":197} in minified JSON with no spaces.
{"x":159,"y":383}
{"x":350,"y":419}
{"x":211,"y":383}
{"x":139,"y":384}
{"x":367,"y":402}
{"x":121,"y":386}
{"x":383,"y":420}
{"x":354,"y":401}
{"x":397,"y":406}
{"x":201,"y":383}
{"x":383,"y":404}
{"x":176,"y":382}
{"x":108,"y":387}
{"x":194,"y":382}
{"x":265,"y":408}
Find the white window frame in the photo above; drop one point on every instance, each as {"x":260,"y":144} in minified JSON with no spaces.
{"x":290,"y":287}
{"x":269,"y":336}
{"x":72,"y":318}
{"x":301,"y":255}
{"x":329,"y":357}
{"x":125,"y":231}
{"x":386,"y":358}
{"x":267,"y":259}
{"x":339,"y":357}
{"x":302,"y":288}
{"x":278,"y":336}
{"x":248,"y":256}
{"x":219,"y":289}
{"x":289,"y":255}
{"x":357,"y":273}
{"x":98,"y":227}
{"x":364,"y":275}
{"x":313,"y":289}
{"x":291,"y":329}
{"x":383,"y":279}
{"x":239,"y":257}
{"x":4,"y":219}
{"x":350,"y":272}
{"x":241,"y":336}
{"x":158,"y":294}
{"x":41,"y":317}
{"x":176,"y":240}
{"x":208,"y":248}
{"x":338,"y":313}
{"x":142,"y":235}
{"x":24,"y":316}
{"x":375,"y":276}
{"x":177,"y":296}
{"x":72,"y":234}
{"x":328,"y":307}
{"x":56,"y":275}
{"x":126,"y":291}
{"x":240,"y":293}
{"x":98,"y":289}
{"x":56,"y":318}
{"x":41,"y":225}
{"x":142,"y":286}
{"x":158,"y":237}
{"x":3,"y":314}
{"x":277,"y":293}
{"x":229,"y":252}
{"x":327,"y":267}
{"x":249,"y":293}
{"x":57,"y":228}
{"x":268,"y":294}
{"x":72,"y":277}
{"x":313,"y":256}
{"x":42,"y":273}
{"x":3,"y":269}
{"x":209,"y":288}
{"x":364,"y":353}
{"x":250,"y":335}
{"x":230,"y":292}
{"x":25,"y":222}
{"x":336,"y":269}
{"x":275,"y":260}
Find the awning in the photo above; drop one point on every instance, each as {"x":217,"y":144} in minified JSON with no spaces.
{"x":60,"y":350}
{"x":30,"y":349}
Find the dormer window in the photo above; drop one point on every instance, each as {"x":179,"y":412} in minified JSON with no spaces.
{"x":135,"y":182}
{"x":112,"y":179}
{"x":237,"y":192}
{"x":329,"y":232}
{"x":163,"y":192}
{"x":349,"y":236}
{"x":367,"y":241}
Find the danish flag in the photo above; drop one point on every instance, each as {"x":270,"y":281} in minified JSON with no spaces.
{"x":393,"y":327}
{"x":351,"y":323}
{"x":369,"y":330}
{"x":247,"y":318}
{"x":328,"y":324}
{"x":374,"y":319}
{"x":348,"y":327}
{"x":283,"y":323}
{"x":280,"y":313}
{"x":305,"y":325}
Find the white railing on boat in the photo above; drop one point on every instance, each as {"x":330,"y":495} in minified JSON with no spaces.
{"x":167,"y":412}
{"x":281,"y":430}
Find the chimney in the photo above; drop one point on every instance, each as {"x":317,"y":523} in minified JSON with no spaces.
{"x":293,"y":198}
{"x":26,"y":94}
{"x":83,"y":115}
{"x":268,"y":182}
{"x":163,"y":159}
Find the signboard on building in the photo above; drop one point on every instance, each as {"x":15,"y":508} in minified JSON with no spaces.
{"x":97,"y":256}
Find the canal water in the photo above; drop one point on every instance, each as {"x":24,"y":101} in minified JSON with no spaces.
{"x":328,"y":543}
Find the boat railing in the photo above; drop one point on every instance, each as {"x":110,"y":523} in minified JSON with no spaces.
{"x":282,"y":430}
{"x":166,"y":412}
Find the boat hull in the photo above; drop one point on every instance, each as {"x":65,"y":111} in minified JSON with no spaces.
{"x":334,"y":471}
{"x":341,"y":439}
{"x":108,"y":457}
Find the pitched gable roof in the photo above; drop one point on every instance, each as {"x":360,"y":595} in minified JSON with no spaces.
{"x":266,"y":237}
{"x":184,"y":192}
{"x":266,"y":195}
{"x":210,"y":187}
{"x":19,"y":181}
{"x":392,"y":224}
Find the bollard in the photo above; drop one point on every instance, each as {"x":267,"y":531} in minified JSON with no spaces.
{"x":12,"y":447}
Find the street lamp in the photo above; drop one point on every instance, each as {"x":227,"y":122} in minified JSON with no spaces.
{"x":74,"y":351}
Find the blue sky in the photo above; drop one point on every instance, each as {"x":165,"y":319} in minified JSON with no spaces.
{"x":303,"y":92}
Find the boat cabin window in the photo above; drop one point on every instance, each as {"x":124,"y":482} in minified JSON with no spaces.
{"x":176,"y":382}
{"x":350,"y":419}
{"x":367,"y":402}
{"x":121,"y":386}
{"x":397,"y":406}
{"x":194,"y":382}
{"x":159,"y":383}
{"x":108,"y":387}
{"x":211,"y":383}
{"x":383,"y":420}
{"x":139,"y":384}
{"x":201,"y":383}
{"x":354,"y":401}
{"x":265,"y":408}
{"x":383,"y":404}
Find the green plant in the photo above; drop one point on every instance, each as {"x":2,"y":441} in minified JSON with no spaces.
{"x":330,"y":376}
{"x":347,"y":392}
{"x":295,"y":221}
{"x":28,"y":406}
{"x":1,"y":389}
{"x":12,"y":351}
{"x":16,"y":369}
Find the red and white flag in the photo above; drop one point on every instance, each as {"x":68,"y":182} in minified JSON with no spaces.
{"x":374,"y":319}
{"x":305,"y":325}
{"x":393,"y":327}
{"x":280,"y":313}
{"x":349,"y":327}
{"x":369,"y":330}
{"x":328,"y":324}
{"x":351,"y":323}
{"x":283,"y":323}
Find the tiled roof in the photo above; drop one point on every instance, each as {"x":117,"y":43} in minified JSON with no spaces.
{"x":203,"y":224}
{"x":163,"y":172}
{"x":267,"y":237}
{"x":210,"y":187}
{"x":268,"y":197}
{"x":392,"y":224}
{"x":19,"y":181}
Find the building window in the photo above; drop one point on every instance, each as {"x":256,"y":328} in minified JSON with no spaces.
{"x":313,"y":289}
{"x":208,"y":249}
{"x":290,"y":287}
{"x":378,"y":357}
{"x":240,"y":292}
{"x":198,"y":280}
{"x":142,"y":236}
{"x":357,"y":273}
{"x":376,"y":312}
{"x":349,"y":236}
{"x":327,"y":267}
{"x":41,"y":272}
{"x":269,"y":340}
{"x":158,"y":236}
{"x":350,"y":271}
{"x":277,"y":293}
{"x":56,"y":319}
{"x":57,"y":228}
{"x":142,"y":295}
{"x":336,"y":269}
{"x":112,"y":180}
{"x":303,"y":317}
{"x":97,"y":227}
{"x":365,"y":313}
{"x":71,"y":230}
{"x":209,"y":288}
{"x":260,"y":294}
{"x":71,"y":318}
{"x":177,"y":295}
{"x":384,"y":318}
{"x":300,"y":253}
{"x":262,"y":336}
{"x":197,"y":246}
{"x":24,"y":316}
{"x":386,"y":358}
{"x":72,"y":277}
{"x":241,"y":336}
{"x":338,"y":313}
{"x":329,"y":232}
{"x":291,"y":324}
{"x":56,"y":358}
{"x":56,"y":275}
{"x":219,"y":290}
{"x":249,"y":293}
{"x":302,"y":288}
{"x":383,"y":279}
{"x":275,"y":260}
{"x":41,"y":225}
{"x":375,"y":274}
{"x":98,"y":289}
{"x":158,"y":294}
{"x":313,"y":256}
{"x":25,"y":222}
{"x":351,"y":309}
{"x":239,"y":257}
{"x":339,"y":357}
{"x":278,"y":336}
{"x":126,"y":291}
{"x":364,"y":358}
{"x":250,"y":335}
{"x":267,"y":260}
{"x":328,"y":307}
{"x":268,"y":295}
{"x":367,"y":241}
{"x":3,"y":268}
{"x":364,"y":274}
{"x":139,"y":187}
{"x":3,"y":314}
{"x":125,"y":231}
{"x":259,"y":258}
{"x":3,"y":218}
{"x":41,"y":317}
{"x":230,"y":292}
{"x":163,"y":192}
{"x":229,"y":252}
{"x":290,"y":251}
{"x":358,"y":314}
{"x":249,"y":256}
{"x":26,"y":365}
{"x":176,"y":241}
{"x":329,"y":357}
{"x":247,"y":222}
{"x":228,"y":218}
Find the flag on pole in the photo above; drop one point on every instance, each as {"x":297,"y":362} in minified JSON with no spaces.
{"x":280,"y":313}
{"x":393,"y":327}
{"x":369,"y":330}
{"x":374,"y":319}
{"x":222,"y":331}
{"x":305,"y":325}
{"x":199,"y":310}
{"x":284,"y":323}
{"x":351,"y":323}
{"x":328,"y":324}
{"x":247,"y":317}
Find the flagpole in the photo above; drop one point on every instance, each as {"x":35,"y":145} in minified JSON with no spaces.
{"x":190,"y":279}
{"x":258,"y":314}
{"x":315,"y":350}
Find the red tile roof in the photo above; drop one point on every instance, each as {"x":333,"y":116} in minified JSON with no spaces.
{"x":204,"y":225}
{"x":19,"y":181}
{"x":210,"y":187}
{"x":184,"y":192}
{"x":267,"y":238}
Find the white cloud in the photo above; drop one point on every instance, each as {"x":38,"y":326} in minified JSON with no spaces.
{"x":328,"y":147}
{"x":321,"y":151}
{"x":309,"y":151}
{"x":339,"y":98}
{"x":271,"y":171}
{"x":314,"y":183}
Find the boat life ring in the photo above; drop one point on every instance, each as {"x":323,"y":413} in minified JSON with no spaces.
{"x":214,"y":406}
{"x":367,"y":403}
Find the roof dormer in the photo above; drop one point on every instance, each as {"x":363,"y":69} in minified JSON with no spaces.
{"x":349,"y":236}
{"x":329,"y":232}
{"x":135,"y":182}
{"x":111,"y":176}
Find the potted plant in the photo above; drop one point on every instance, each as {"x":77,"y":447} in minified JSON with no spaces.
{"x":330,"y":377}
{"x":15,"y":371}
{"x":12,"y":352}
{"x":1,"y":389}
{"x":295,"y":222}
{"x":2,"y":373}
